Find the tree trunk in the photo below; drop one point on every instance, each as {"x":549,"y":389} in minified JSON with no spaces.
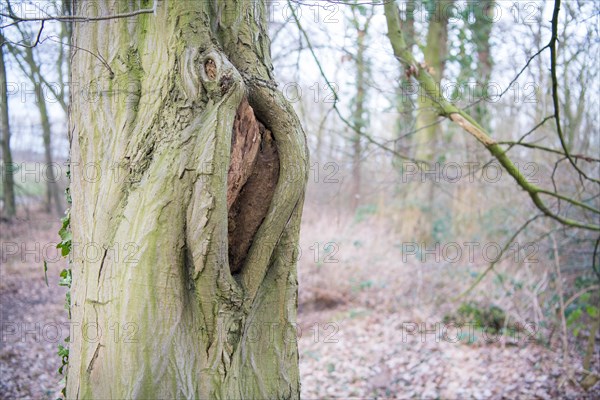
{"x":177,"y":319}
{"x":358,"y":115}
{"x":8,"y":183}
{"x":466,"y":206}
{"x":435,"y":53}
{"x":481,"y":32}
{"x":53,"y":196}
{"x":31,"y":68}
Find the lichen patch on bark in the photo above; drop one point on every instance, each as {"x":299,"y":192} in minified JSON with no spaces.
{"x":251,"y":180}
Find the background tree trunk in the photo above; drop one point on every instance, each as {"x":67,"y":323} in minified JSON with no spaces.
{"x":31,"y":68}
{"x":466,"y":204}
{"x":8,"y":184}
{"x":53,"y":196}
{"x":359,"y":111}
{"x":426,"y":137}
{"x":175,"y":321}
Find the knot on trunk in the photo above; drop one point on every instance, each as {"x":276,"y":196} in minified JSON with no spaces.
{"x":208,"y":73}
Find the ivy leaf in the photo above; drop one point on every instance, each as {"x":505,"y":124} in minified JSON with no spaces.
{"x":573,"y":317}
{"x":63,"y":351}
{"x":64,"y":226}
{"x":68,"y":303}
{"x":65,"y":247}
{"x":65,"y":278}
{"x":585,"y":298}
{"x":46,"y":273}
{"x":66,"y":235}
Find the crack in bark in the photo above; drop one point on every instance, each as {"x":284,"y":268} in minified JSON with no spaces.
{"x":101,"y":266}
{"x":94,"y":357}
{"x":251,"y":181}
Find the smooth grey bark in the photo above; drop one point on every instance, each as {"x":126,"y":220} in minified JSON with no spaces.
{"x":8,"y":183}
{"x":175,"y":322}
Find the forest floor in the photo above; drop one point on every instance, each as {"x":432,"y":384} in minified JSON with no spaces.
{"x":362,"y":346}
{"x":373,"y":355}
{"x":32,"y":315}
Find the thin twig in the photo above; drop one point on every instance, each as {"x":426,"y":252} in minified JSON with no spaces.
{"x":595,"y":265}
{"x":514,"y":79}
{"x":547,"y":149}
{"x":446,"y":108}
{"x":336,"y":97}
{"x":493,"y":263}
{"x":75,"y":18}
{"x":561,"y":302}
{"x":555,"y":100}
{"x":111,"y":74}
{"x":580,"y":293}
{"x":37,"y":39}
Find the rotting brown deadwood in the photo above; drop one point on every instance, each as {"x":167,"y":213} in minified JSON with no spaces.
{"x":251,"y":180}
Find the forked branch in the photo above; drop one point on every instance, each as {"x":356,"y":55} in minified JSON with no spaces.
{"x":447,"y":109}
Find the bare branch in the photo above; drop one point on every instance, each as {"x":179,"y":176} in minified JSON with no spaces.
{"x":37,"y":39}
{"x":514,"y":79}
{"x":559,"y":131}
{"x":336,"y":97}
{"x":111,"y":74}
{"x":75,"y":18}
{"x":596,"y":266}
{"x":447,"y":109}
{"x":547,"y":149}
{"x":509,"y":242}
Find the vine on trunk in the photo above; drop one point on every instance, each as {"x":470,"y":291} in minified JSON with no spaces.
{"x":65,"y":280}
